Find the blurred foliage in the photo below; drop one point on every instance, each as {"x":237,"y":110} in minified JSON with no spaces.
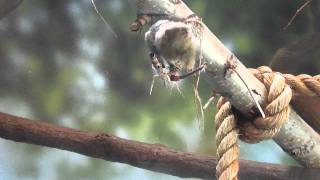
{"x":59,"y":63}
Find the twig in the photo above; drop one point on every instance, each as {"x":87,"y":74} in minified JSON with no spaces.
{"x":231,"y":65}
{"x":210,"y":101}
{"x":296,"y":13}
{"x":103,"y":19}
{"x":7,"y":6}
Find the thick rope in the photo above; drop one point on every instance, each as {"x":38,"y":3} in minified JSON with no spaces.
{"x":302,"y":84}
{"x":277,"y":109}
{"x":229,"y":122}
{"x":226,"y":137}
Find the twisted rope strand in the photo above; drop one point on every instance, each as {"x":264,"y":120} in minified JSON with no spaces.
{"x":277,"y":109}
{"x":302,"y":84}
{"x":228,"y":124}
{"x":226,"y":137}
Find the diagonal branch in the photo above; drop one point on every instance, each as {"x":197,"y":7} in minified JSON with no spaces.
{"x":7,"y":6}
{"x":295,"y":137}
{"x":154,"y":157}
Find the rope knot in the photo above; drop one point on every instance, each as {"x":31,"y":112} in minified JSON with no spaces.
{"x":276,"y":109}
{"x":231,"y":124}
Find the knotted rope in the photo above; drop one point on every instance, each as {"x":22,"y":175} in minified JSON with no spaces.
{"x":230,"y":124}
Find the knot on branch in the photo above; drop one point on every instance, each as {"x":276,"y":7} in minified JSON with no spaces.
{"x":231,"y":124}
{"x":229,"y":121}
{"x":276,"y":109}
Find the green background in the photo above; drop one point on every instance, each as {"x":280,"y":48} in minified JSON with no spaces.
{"x":59,"y":63}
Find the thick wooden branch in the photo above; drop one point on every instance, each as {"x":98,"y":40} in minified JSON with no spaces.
{"x":296,"y":137}
{"x":154,"y":157}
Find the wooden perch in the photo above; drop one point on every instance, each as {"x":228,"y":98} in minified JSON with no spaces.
{"x":154,"y":157}
{"x":295,"y":137}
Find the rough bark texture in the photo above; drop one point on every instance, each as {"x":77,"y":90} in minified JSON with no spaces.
{"x":295,"y":137}
{"x":154,"y":157}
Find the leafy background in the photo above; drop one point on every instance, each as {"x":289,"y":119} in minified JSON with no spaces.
{"x":60,"y":64}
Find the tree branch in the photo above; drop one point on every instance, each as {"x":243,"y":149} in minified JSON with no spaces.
{"x":154,"y":157}
{"x":6,"y":6}
{"x":295,"y":137}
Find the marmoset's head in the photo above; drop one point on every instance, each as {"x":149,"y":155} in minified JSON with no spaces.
{"x":174,"y":42}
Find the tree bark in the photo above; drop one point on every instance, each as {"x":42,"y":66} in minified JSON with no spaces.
{"x":154,"y":157}
{"x":296,"y":137}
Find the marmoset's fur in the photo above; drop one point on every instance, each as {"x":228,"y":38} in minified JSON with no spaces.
{"x":174,"y":43}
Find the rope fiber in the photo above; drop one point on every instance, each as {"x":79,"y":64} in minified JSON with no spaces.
{"x":231,"y":124}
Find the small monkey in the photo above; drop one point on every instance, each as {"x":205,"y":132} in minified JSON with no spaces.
{"x":173,"y":43}
{"x":173,"y":46}
{"x":176,"y":46}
